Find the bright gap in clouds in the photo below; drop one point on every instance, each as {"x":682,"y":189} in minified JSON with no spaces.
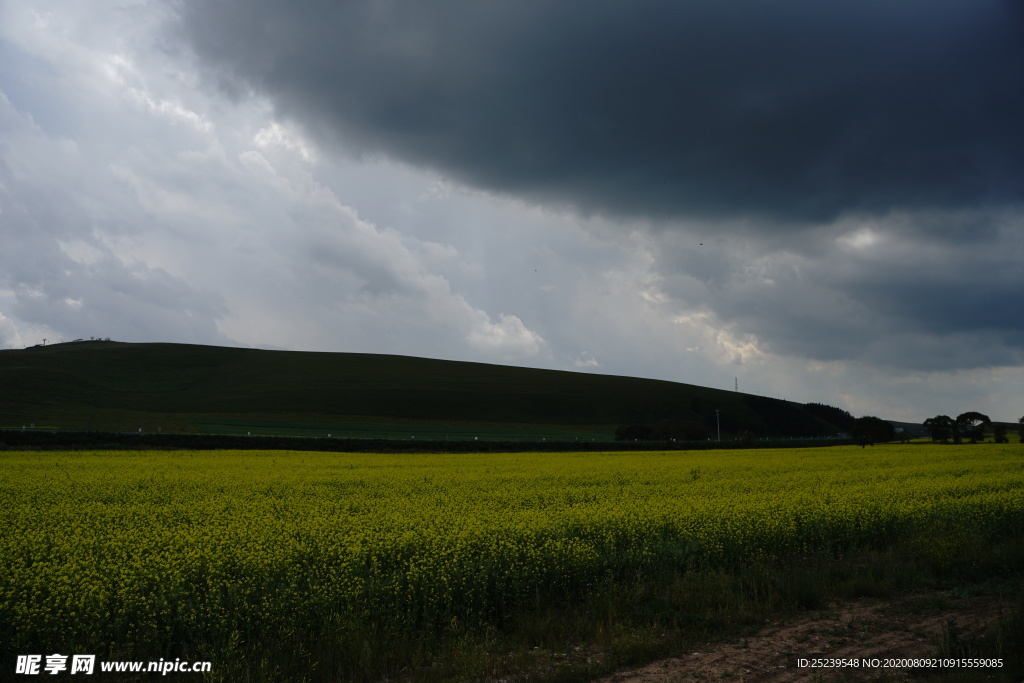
{"x":139,"y":204}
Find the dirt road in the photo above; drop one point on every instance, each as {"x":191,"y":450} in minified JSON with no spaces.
{"x":910,"y":627}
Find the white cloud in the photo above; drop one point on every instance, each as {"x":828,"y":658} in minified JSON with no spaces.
{"x":585,"y":360}
{"x":279,"y":135}
{"x":172,"y":111}
{"x":9,"y":336}
{"x":861,"y":239}
{"x":80,"y":251}
{"x":255,"y":160}
{"x":507,"y":339}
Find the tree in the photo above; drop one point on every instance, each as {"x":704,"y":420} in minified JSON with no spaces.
{"x":999,"y":434}
{"x":971,"y":425}
{"x":869,"y":430}
{"x":940,"y":428}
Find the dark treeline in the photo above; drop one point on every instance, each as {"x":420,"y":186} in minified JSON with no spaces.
{"x":970,"y":426}
{"x":759,"y":417}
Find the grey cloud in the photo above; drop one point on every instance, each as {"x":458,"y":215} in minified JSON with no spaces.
{"x":104,"y":297}
{"x":892,"y":302}
{"x":789,"y":111}
{"x":732,"y":121}
{"x":57,"y":274}
{"x":108,"y":299}
{"x":376,"y":263}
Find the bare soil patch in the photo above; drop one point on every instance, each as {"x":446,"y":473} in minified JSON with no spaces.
{"x":907,"y":627}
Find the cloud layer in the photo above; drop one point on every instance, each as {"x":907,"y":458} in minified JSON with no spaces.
{"x":794,"y":111}
{"x":820,"y":199}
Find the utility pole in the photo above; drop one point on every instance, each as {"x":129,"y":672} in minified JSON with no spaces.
{"x":718,"y":423}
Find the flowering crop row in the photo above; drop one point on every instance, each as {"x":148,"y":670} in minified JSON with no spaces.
{"x":192,"y":553}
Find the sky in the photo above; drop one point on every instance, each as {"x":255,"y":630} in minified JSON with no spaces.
{"x":821,"y":201}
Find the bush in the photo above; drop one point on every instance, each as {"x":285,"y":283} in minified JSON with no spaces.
{"x":869,"y":430}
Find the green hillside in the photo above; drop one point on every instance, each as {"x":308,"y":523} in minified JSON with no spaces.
{"x":112,"y":386}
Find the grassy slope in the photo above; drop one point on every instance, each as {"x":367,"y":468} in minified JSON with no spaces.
{"x":179,"y":387}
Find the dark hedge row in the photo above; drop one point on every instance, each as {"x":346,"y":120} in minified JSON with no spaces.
{"x":61,"y":440}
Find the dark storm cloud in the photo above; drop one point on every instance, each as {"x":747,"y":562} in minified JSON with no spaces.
{"x":790,"y":110}
{"x":879,"y":297}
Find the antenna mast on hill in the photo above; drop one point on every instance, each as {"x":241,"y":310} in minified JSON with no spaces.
{"x":737,"y":383}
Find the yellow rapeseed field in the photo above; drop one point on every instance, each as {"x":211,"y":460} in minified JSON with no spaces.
{"x":198,"y":553}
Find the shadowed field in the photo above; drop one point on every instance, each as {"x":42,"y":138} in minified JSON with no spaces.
{"x":111,"y":386}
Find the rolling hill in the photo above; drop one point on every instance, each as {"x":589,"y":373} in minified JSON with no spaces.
{"x":113,"y":386}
